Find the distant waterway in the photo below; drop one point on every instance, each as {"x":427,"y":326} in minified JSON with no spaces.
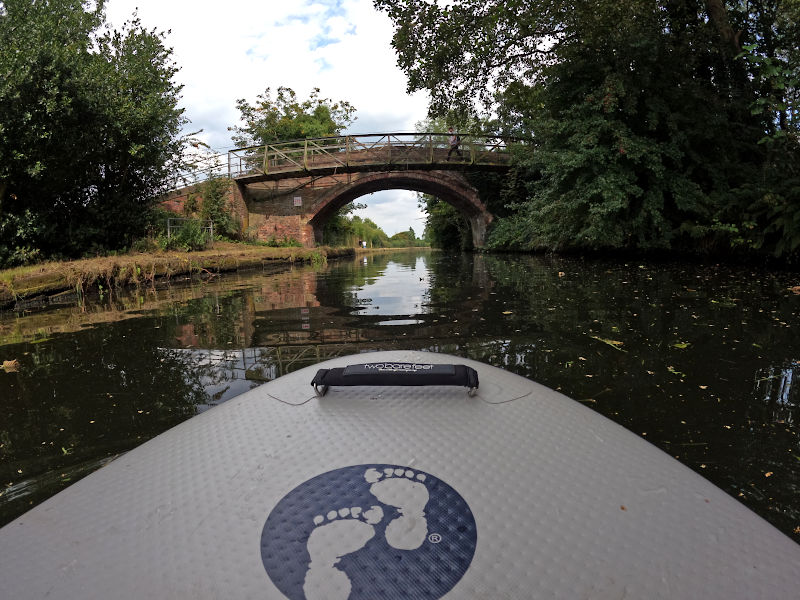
{"x":701,"y":360}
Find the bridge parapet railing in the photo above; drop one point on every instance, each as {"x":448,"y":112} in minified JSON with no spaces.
{"x":353,"y":151}
{"x":200,"y":167}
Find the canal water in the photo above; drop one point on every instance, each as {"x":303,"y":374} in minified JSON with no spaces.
{"x":701,"y":360}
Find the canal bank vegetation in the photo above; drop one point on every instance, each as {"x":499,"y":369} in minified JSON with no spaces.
{"x":104,"y":273}
{"x":658,"y":126}
{"x":347,"y":230}
{"x":90,"y":129}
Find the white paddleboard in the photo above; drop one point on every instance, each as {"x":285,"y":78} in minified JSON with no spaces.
{"x":515,"y":492}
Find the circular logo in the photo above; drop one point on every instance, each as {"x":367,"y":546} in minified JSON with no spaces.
{"x":369,"y":531}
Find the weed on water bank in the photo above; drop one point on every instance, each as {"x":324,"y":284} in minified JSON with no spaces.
{"x":136,"y":269}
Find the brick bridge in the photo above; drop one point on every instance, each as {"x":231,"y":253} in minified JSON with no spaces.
{"x":291,"y":189}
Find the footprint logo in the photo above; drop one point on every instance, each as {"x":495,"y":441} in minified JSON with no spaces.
{"x":345,"y":531}
{"x":398,"y":488}
{"x":357,"y":532}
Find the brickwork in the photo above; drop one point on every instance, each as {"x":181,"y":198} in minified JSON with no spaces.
{"x":299,"y":208}
{"x":175,"y":201}
{"x":285,"y":227}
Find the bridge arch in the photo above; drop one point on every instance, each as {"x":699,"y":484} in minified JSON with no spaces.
{"x":289,"y":190}
{"x":450,"y":186}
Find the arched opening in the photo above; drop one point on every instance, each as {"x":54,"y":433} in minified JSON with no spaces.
{"x":452,"y":188}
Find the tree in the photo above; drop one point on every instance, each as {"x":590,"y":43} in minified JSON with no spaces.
{"x":649,"y":131}
{"x":214,"y":207}
{"x":89,"y":127}
{"x":284,"y":118}
{"x":445,"y":226}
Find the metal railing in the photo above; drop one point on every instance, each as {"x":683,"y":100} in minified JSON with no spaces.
{"x":175,"y":224}
{"x":352,"y":152}
{"x":200,"y":168}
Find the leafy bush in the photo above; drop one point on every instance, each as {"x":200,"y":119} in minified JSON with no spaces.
{"x":191,"y":235}
{"x":18,"y":233}
{"x":214,"y":208}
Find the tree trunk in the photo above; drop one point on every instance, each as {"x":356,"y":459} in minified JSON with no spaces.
{"x":719,"y":17}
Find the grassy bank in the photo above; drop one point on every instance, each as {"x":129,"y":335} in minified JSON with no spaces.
{"x":51,"y":278}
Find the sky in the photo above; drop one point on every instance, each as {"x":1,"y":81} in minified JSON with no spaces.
{"x":236,"y":49}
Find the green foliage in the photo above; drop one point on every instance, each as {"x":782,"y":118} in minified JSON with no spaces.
{"x":191,"y":235}
{"x":445,"y":227}
{"x":273,"y":242}
{"x":406,"y":239}
{"x":89,"y":124}
{"x":16,"y":234}
{"x":214,"y":208}
{"x":649,"y":133}
{"x":210,"y":203}
{"x":346,"y":230}
{"x":285,"y":118}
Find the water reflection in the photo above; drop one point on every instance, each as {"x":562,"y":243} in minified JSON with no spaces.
{"x":700,"y":360}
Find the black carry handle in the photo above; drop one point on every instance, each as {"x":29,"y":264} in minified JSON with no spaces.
{"x":396,"y":373}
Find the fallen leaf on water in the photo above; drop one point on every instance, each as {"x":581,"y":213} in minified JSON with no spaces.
{"x":507,"y":312}
{"x":615,"y":344}
{"x":768,"y":474}
{"x":795,"y":289}
{"x":11,"y":366}
{"x":680,"y":345}
{"x":674,"y":371}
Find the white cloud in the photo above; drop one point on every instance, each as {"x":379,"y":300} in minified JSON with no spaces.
{"x":237,"y":49}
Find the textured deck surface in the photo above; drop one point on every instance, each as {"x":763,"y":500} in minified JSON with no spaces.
{"x":517,"y":493}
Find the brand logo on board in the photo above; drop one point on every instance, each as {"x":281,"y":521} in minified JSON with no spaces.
{"x":397,"y":367}
{"x":369,"y":531}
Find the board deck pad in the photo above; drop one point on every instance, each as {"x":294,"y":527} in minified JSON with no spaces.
{"x":396,"y":492}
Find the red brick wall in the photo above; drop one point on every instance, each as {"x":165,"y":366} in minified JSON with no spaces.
{"x":285,"y":227}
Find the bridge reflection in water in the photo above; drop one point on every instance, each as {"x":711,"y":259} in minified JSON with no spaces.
{"x":289,"y":323}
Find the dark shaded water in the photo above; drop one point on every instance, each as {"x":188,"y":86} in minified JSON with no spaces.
{"x":703,"y":361}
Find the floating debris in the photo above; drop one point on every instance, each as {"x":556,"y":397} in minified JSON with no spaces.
{"x":11,"y":366}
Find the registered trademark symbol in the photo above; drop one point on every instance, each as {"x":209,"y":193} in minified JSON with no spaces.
{"x":434,"y":538}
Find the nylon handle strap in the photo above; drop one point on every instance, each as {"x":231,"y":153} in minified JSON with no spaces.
{"x":396,"y":373}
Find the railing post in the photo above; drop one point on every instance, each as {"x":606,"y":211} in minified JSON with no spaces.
{"x":266,"y":159}
{"x":347,"y":150}
{"x":430,"y":143}
{"x":305,"y":155}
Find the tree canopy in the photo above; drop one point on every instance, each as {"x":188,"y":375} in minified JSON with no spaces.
{"x":89,"y":128}
{"x":658,"y":125}
{"x":285,"y":118}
